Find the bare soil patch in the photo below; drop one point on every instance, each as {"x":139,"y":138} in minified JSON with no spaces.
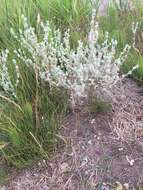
{"x":99,"y":151}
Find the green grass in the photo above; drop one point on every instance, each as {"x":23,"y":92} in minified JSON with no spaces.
{"x":118,"y":22}
{"x":64,"y":14}
{"x":133,"y":59}
{"x":97,"y":106}
{"x":73,"y":14}
{"x":28,"y":128}
{"x":10,"y":16}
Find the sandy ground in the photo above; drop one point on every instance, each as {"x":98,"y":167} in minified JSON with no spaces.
{"x":95,"y":154}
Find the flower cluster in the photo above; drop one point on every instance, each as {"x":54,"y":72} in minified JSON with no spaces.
{"x":5,"y":80}
{"x":134,"y":31}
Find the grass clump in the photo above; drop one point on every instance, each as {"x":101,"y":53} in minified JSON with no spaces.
{"x":119,"y":21}
{"x":29,"y":128}
{"x":71,"y":14}
{"x":97,"y":106}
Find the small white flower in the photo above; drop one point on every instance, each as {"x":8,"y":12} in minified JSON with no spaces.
{"x":89,"y":142}
{"x":84,"y":161}
{"x":64,"y":167}
{"x":121,"y":149}
{"x":130,"y":161}
{"x":38,"y":18}
{"x":92,"y":121}
{"x":126,"y":185}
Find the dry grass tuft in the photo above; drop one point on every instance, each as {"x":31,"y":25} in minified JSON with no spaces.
{"x":127,"y":115}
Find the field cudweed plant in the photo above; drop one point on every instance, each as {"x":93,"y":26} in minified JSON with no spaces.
{"x":77,"y":70}
{"x":51,"y":56}
{"x":44,"y":55}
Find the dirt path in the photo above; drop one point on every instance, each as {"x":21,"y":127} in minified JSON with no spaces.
{"x":94,"y":156}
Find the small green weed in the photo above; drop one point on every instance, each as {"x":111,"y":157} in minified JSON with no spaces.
{"x":97,"y":106}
